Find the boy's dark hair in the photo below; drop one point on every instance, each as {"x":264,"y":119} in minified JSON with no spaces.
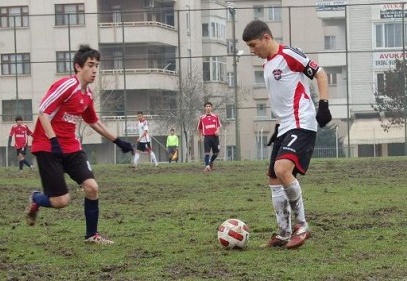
{"x":19,"y":118}
{"x":83,"y":54}
{"x":139,"y":112}
{"x":255,"y":30}
{"x":207,"y":103}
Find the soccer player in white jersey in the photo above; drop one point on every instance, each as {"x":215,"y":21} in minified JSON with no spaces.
{"x":286,"y":73}
{"x":143,"y":141}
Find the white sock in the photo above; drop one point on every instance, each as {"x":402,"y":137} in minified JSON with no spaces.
{"x":294,"y":195}
{"x":153,"y":158}
{"x":282,"y":209}
{"x":136,"y":158}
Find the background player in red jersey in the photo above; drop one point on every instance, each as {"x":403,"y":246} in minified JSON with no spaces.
{"x":59,"y":151}
{"x":286,"y":73}
{"x":20,"y":132}
{"x":209,"y":127}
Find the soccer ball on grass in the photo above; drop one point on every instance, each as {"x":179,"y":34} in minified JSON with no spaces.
{"x":233,"y":234}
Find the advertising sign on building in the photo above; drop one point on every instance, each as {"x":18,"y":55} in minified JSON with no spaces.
{"x":392,"y":11}
{"x":324,"y":5}
{"x":386,"y":60}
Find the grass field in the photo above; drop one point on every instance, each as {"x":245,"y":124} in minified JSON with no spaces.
{"x":164,"y":223}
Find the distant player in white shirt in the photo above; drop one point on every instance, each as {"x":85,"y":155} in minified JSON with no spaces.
{"x":143,"y":141}
{"x":286,"y":73}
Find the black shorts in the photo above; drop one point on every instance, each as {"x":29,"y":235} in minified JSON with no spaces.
{"x":211,"y":142}
{"x":296,"y":145}
{"x":52,"y":169}
{"x":21,"y":151}
{"x":144,"y":146}
{"x":171,"y":150}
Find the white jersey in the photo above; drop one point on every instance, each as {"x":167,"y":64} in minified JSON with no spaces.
{"x":143,"y":126}
{"x":286,"y":75}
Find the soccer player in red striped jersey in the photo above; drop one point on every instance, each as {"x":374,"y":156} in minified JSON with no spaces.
{"x":59,"y":150}
{"x":20,"y":132}
{"x":286,"y":73}
{"x":209,"y":127}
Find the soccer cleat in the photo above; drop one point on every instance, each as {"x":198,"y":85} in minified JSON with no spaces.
{"x":97,"y":239}
{"x":211,"y":166}
{"x":32,"y":210}
{"x":301,"y":233}
{"x":207,"y":169}
{"x":276,"y":241}
{"x":156,"y":165}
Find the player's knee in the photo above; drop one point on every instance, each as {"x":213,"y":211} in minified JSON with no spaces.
{"x":91,"y":189}
{"x":60,"y":201}
{"x":282,"y":172}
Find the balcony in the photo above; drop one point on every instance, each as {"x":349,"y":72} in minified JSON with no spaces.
{"x":331,"y":59}
{"x":151,"y":32}
{"x":139,"y":79}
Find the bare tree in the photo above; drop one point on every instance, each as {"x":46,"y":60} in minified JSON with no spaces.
{"x":111,"y":102}
{"x":391,"y":101}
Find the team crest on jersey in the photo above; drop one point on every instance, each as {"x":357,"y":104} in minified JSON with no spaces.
{"x":277,"y":74}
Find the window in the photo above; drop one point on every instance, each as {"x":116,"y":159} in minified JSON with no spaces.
{"x":261,"y":110}
{"x":261,"y":144}
{"x":274,"y":13}
{"x":230,"y":46}
{"x":11,"y":108}
{"x":231,"y":152}
{"x":214,"y":69}
{"x":259,"y":79}
{"x":230,"y":111}
{"x":10,"y":61}
{"x":214,"y":28}
{"x":330,"y":42}
{"x":332,"y":73}
{"x":188,"y":19}
{"x":231,"y":80}
{"x":69,"y":14}
{"x":389,"y":35}
{"x":332,"y":79}
{"x":11,"y":15}
{"x":380,"y":83}
{"x":64,"y":62}
{"x":258,"y":12}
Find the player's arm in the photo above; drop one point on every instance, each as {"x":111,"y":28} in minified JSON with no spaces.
{"x":322,"y":83}
{"x":102,"y":130}
{"x":46,"y":124}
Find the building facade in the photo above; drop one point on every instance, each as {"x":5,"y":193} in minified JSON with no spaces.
{"x":158,"y":54}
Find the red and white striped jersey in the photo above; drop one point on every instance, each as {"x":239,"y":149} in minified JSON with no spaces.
{"x":208,"y":124}
{"x":286,"y":74}
{"x":66,"y":105}
{"x":20,"y":134}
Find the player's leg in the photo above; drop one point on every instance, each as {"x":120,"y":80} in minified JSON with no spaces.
{"x":280,"y":203}
{"x":151,"y":154}
{"x":55,"y":193}
{"x":20,"y":158}
{"x":215,"y":150}
{"x":25,"y":162}
{"x":207,"y":151}
{"x":139,"y":149}
{"x":79,"y":169}
{"x":290,"y":162}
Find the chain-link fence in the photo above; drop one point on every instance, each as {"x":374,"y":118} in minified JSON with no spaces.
{"x":167,"y":58}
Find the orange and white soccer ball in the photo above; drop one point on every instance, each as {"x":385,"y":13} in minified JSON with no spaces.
{"x":233,"y":234}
